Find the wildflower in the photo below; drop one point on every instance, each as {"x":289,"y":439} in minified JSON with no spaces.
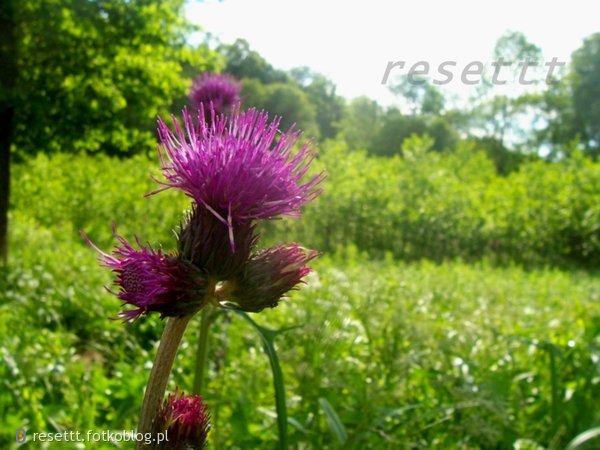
{"x":221,"y":91}
{"x":270,"y":275}
{"x":185,"y":422}
{"x":153,"y":281}
{"x":240,"y":168}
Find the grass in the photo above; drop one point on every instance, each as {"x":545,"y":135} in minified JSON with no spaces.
{"x":404,"y":355}
{"x":378,"y":353}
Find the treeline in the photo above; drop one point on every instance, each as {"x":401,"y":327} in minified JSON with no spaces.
{"x":93,"y":76}
{"x":560,"y":114}
{"x":482,"y":180}
{"x":438,"y":206}
{"x":454,"y":205}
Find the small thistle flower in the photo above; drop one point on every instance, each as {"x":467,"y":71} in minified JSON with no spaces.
{"x":204,"y":241}
{"x":270,"y":275}
{"x":220,"y":90}
{"x":240,"y":168}
{"x":153,"y":281}
{"x":185,"y":420}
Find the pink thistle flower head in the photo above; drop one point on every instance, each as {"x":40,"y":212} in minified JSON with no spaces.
{"x":222,"y":91}
{"x":269,"y":275}
{"x":185,"y":420}
{"x":153,"y":281}
{"x":238,"y":167}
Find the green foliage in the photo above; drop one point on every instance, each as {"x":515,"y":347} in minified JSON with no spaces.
{"x":78,"y":192}
{"x":455,"y":205}
{"x":268,"y":339}
{"x":93,"y":75}
{"x":423,"y":355}
{"x":586,"y":91}
{"x":422,"y":96}
{"x":243,"y":62}
{"x":286,"y":100}
{"x":361,"y":122}
{"x":321,"y":93}
{"x":377,"y":354}
{"x":398,"y":127}
{"x":505,"y":160}
{"x":425,"y":205}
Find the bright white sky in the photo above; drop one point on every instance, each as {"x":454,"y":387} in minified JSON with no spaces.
{"x":351,"y":42}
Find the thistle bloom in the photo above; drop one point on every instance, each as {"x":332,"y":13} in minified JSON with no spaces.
{"x":220,"y":90}
{"x":240,"y":168}
{"x":270,"y":275}
{"x":153,"y":281}
{"x":186,"y":421}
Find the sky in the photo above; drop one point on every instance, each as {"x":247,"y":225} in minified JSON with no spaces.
{"x":351,"y":42}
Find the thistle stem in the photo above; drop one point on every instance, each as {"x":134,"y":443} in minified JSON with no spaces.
{"x":202,"y":350}
{"x":155,"y":389}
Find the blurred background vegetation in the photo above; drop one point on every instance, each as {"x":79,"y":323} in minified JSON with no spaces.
{"x":456,"y":301}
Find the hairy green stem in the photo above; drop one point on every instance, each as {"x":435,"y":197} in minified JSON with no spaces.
{"x":202,"y":350}
{"x":157,"y":383}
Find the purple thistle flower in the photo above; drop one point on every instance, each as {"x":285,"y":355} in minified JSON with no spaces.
{"x":240,"y":167}
{"x":270,"y":275}
{"x":186,"y":421}
{"x":153,"y":281}
{"x":220,"y":90}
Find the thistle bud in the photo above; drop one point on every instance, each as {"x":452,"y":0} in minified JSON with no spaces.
{"x":183,"y":421}
{"x":218,"y":250}
{"x":269,"y":275}
{"x":222,"y":91}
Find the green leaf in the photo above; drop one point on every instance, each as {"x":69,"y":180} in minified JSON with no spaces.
{"x":268,"y":336}
{"x":335,"y":424}
{"x":583,"y":438}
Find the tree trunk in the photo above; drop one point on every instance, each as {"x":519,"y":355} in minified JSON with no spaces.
{"x":8,"y":71}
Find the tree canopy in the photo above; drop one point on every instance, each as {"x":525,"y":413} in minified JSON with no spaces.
{"x":94,"y":75}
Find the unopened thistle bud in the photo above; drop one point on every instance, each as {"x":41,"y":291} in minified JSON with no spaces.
{"x":184,"y":421}
{"x":269,"y":275}
{"x":222,"y":91}
{"x":204,"y":241}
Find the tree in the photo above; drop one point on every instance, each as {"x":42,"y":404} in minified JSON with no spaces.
{"x":321,"y":93}
{"x":397,"y":127}
{"x":7,"y":76}
{"x":586,"y":91}
{"x":292,"y":104}
{"x":286,"y":100}
{"x":93,"y":75}
{"x":89,"y":76}
{"x":361,"y":122}
{"x":556,"y":105}
{"x":505,"y":160}
{"x":421,"y":96}
{"x":243,"y":62}
{"x":500,"y":106}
